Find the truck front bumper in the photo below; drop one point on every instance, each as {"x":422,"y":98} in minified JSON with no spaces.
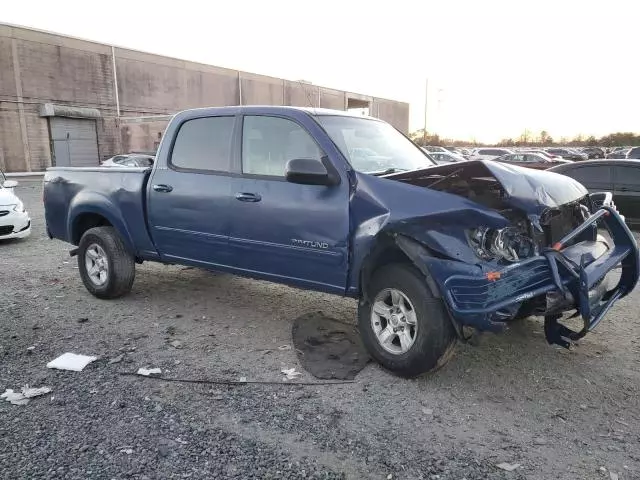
{"x":575,"y":274}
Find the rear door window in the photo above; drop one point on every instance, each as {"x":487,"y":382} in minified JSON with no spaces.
{"x":591,"y":174}
{"x":204,"y":144}
{"x":627,"y":175}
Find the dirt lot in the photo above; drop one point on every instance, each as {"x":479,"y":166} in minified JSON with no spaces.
{"x":512,"y":398}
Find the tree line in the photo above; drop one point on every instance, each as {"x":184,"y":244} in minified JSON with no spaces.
{"x":528,"y":139}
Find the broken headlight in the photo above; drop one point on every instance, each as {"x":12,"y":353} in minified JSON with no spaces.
{"x":500,"y":244}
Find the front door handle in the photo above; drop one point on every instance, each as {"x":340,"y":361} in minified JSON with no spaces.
{"x":248,"y":197}
{"x":624,"y":189}
{"x":163,"y":188}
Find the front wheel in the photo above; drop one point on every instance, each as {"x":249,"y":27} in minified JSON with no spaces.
{"x":106,"y":268}
{"x":402,"y":325}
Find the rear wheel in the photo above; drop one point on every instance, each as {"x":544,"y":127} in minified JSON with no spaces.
{"x":402,"y":325}
{"x":106,"y":268}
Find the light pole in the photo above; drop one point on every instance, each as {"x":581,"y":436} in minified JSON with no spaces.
{"x":426,"y":102}
{"x":439,"y":109}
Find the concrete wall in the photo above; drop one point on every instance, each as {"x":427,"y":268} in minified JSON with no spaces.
{"x":142,"y":134}
{"x":39,"y":67}
{"x":396,"y":113}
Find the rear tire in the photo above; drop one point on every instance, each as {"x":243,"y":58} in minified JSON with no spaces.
{"x":424,"y":338}
{"x":106,"y":267}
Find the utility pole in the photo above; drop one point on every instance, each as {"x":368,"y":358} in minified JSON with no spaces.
{"x":439,"y":111}
{"x":426,"y":102}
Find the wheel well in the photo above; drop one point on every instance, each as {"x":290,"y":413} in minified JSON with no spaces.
{"x":86,"y":221}
{"x":383,"y":254}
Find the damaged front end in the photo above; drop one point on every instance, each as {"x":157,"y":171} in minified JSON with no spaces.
{"x":542,"y":255}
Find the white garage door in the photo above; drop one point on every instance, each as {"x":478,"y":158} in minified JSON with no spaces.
{"x":74,"y":142}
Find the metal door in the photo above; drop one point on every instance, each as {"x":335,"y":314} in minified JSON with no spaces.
{"x":74,"y":142}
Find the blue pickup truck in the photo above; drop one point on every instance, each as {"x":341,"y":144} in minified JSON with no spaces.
{"x":346,"y":204}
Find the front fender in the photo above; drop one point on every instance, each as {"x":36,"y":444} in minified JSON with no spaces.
{"x":98,"y":204}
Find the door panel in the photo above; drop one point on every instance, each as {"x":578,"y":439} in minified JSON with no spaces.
{"x":191,"y":221}
{"x":298,"y":232}
{"x":291,"y":232}
{"x":626,"y":193}
{"x":188,"y":202}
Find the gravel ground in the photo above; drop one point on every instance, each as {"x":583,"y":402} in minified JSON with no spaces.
{"x":511,"y":398}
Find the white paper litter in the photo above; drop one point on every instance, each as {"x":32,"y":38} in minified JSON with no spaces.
{"x":71,"y":361}
{"x":14,"y":397}
{"x":22,"y":398}
{"x":149,"y":371}
{"x":290,"y":373}
{"x":509,"y":467}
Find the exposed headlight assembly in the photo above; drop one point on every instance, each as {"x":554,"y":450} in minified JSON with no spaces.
{"x":500,"y":244}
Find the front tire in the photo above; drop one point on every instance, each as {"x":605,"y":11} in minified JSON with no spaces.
{"x":403,"y":326}
{"x":106,"y":268}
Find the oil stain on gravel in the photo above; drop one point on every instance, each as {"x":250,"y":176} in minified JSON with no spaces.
{"x":327,"y":348}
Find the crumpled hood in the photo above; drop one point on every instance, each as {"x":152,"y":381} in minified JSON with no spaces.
{"x":532,"y":191}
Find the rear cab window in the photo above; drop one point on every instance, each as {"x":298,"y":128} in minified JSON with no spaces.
{"x":204,"y":145}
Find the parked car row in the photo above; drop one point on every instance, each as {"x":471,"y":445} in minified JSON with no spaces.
{"x":538,"y":159}
{"x":632,"y":153}
{"x":567,"y":153}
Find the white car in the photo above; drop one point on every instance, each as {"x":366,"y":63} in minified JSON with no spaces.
{"x":14,"y":219}
{"x":129,"y":160}
{"x":489,"y":153}
{"x":446,"y":157}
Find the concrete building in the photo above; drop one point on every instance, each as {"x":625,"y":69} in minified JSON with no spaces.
{"x":66,"y":101}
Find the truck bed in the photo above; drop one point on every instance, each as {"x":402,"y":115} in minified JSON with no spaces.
{"x":77,"y":197}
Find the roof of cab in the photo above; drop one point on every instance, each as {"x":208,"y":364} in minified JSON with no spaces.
{"x":269,"y":109}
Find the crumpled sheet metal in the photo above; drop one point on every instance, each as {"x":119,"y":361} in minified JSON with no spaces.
{"x":537,"y":190}
{"x":532,"y":191}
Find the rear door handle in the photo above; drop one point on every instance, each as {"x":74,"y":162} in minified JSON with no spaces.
{"x":248,"y":197}
{"x":624,"y":189}
{"x":163,"y":188}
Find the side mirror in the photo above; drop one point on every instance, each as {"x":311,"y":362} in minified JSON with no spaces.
{"x":310,"y":171}
{"x":10,"y":184}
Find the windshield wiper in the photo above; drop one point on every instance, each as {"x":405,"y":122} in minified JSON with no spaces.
{"x":388,"y":171}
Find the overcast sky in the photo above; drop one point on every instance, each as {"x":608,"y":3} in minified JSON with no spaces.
{"x":495,"y":68}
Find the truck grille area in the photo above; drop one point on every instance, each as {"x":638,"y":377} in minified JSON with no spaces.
{"x":472,"y":292}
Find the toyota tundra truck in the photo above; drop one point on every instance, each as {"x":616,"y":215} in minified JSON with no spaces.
{"x":347,"y":205}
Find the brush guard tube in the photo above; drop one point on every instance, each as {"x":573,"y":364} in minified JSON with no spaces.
{"x":555,"y":270}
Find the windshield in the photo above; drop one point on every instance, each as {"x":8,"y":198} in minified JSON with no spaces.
{"x":371,"y":146}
